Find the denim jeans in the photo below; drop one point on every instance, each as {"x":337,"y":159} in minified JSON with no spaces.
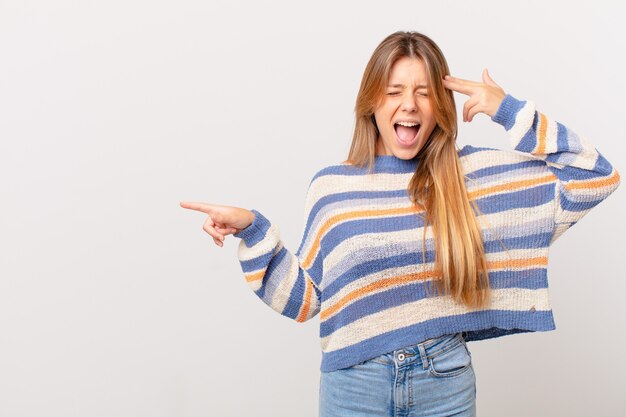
{"x":434,"y":378}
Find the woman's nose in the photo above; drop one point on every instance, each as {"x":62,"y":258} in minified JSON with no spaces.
{"x":409,"y":103}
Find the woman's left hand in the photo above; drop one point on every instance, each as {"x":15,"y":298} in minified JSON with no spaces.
{"x":484,"y":97}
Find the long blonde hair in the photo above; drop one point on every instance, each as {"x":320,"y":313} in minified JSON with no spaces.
{"x":437,"y":186}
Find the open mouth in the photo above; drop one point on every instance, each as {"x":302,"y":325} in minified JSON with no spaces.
{"x":406,"y":134}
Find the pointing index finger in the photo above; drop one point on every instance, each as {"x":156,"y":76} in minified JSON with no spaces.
{"x":205,"y":208}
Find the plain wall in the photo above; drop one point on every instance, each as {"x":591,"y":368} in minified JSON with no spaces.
{"x":115,"y":302}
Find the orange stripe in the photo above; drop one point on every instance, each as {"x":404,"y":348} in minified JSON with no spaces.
{"x":522,"y":262}
{"x":375,"y":286}
{"x":595,"y":183}
{"x":256,"y":276}
{"x":541,"y":140}
{"x":511,"y":186}
{"x":410,"y":278}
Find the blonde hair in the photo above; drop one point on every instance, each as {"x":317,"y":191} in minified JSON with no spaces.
{"x":437,"y":186}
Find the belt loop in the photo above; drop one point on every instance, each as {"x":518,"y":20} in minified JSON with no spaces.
{"x":423,"y":355}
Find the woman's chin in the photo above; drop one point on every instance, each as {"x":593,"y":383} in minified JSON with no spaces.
{"x":404,"y":153}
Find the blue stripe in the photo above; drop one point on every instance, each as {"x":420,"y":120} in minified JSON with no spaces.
{"x":531,"y":241}
{"x":573,"y":205}
{"x":257,"y":262}
{"x":256,"y":231}
{"x":296,"y":297}
{"x":509,"y":107}
{"x":507,"y":322}
{"x":528,"y":142}
{"x":529,"y":197}
{"x":602,"y":166}
{"x":570,"y":173}
{"x":499,"y":169}
{"x":386,"y":164}
{"x":272,"y":276}
{"x":469,"y":149}
{"x":562,"y":140}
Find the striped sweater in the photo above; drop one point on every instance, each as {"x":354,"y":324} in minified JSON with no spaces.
{"x":360,"y":266}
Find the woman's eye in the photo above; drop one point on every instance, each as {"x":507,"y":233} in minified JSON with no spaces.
{"x":396,"y":93}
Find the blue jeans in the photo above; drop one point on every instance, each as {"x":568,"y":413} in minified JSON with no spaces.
{"x":434,"y":378}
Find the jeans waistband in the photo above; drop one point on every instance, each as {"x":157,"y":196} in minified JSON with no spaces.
{"x":434,"y":344}
{"x":420,"y":352}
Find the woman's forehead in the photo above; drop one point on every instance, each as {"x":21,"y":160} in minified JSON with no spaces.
{"x":408,"y":71}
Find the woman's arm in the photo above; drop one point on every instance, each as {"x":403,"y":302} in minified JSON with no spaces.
{"x":285,"y":281}
{"x":583,"y":176}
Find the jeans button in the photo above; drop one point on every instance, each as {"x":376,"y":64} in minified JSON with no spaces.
{"x":401,"y":356}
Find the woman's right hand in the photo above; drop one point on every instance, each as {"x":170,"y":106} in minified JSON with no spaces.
{"x":222,"y":220}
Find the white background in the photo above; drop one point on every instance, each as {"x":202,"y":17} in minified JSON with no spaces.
{"x":115,"y":302}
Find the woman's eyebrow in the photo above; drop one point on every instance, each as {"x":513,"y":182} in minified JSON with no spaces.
{"x":402,"y":86}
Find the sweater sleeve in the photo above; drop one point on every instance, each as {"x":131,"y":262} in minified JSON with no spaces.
{"x":287,"y":282}
{"x":583,"y":177}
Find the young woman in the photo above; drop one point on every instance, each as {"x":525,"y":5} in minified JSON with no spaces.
{"x":412,"y":247}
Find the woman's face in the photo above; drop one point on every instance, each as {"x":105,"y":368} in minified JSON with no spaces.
{"x":406,"y":100}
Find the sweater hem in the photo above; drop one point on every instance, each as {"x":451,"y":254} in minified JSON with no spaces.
{"x":503,"y":323}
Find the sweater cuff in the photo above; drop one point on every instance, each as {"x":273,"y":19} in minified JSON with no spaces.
{"x":255,"y":231}
{"x":509,"y":107}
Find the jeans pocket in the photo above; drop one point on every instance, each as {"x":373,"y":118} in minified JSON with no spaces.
{"x":452,"y":362}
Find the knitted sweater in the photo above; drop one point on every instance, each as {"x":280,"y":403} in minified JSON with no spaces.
{"x":360,"y":265}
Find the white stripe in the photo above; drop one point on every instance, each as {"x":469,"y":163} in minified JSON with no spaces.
{"x":335,"y":183}
{"x":488,"y":158}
